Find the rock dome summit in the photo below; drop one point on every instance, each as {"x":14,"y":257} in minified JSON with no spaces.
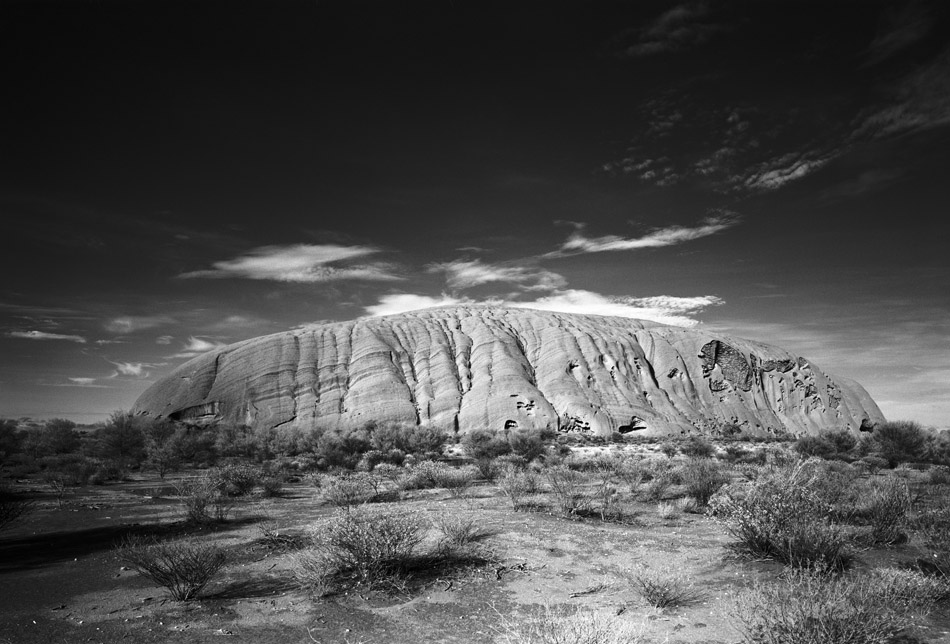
{"x":469,"y":367}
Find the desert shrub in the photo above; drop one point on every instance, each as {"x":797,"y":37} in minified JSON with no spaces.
{"x":657,"y":487}
{"x":630,"y":471}
{"x":121,"y":441}
{"x":509,"y":460}
{"x":669,"y":448}
{"x":69,"y":469}
{"x":423,"y":475}
{"x":183,"y":568}
{"x":665,"y":589}
{"x":933,"y":526}
{"x":567,"y":485}
{"x":419,"y":440}
{"x":366,"y":548}
{"x":456,"y":480}
{"x":667,"y":510}
{"x":527,"y":443}
{"x":702,"y":479}
{"x":938,"y":475}
{"x":458,"y":531}
{"x":871,"y":463}
{"x":56,"y":436}
{"x":818,"y":446}
{"x":238,"y":479}
{"x":842,"y":440}
{"x":569,"y":626}
{"x":900,"y":442}
{"x":341,"y":448}
{"x":886,"y":506}
{"x":347,"y":490}
{"x":783,"y":516}
{"x":12,"y":507}
{"x":807,"y":607}
{"x":485,"y":443}
{"x":696,"y":447}
{"x":272,"y":485}
{"x":516,"y":484}
{"x":203,"y":499}
{"x":11,"y":439}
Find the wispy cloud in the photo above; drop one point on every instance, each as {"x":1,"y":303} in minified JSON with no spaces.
{"x":82,"y":381}
{"x":669,"y":236}
{"x":195,"y":347}
{"x":463,"y":274}
{"x":682,"y":27}
{"x":775,"y":173}
{"x":921,"y":101}
{"x":131,"y":323}
{"x":164,"y":339}
{"x":42,"y":335}
{"x":136,"y":370}
{"x":901,"y":28}
{"x":402,"y":302}
{"x":306,"y":263}
{"x":664,"y":308}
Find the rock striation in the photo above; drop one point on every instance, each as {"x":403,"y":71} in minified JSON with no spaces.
{"x":467,"y":367}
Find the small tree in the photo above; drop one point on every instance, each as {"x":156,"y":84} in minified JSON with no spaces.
{"x":120,"y":441}
{"x":901,"y":441}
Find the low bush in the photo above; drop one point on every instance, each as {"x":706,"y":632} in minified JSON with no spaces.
{"x":566,"y":626}
{"x":665,"y":589}
{"x":183,"y":568}
{"x":696,"y":447}
{"x":237,"y":479}
{"x":203,"y":499}
{"x":458,"y":531}
{"x":818,"y":446}
{"x":784,"y":517}
{"x":372,"y":549}
{"x":570,"y":495}
{"x":516,"y":484}
{"x":810,"y":606}
{"x":702,"y":479}
{"x":13,"y":508}
{"x":886,"y":507}
{"x":348,"y":490}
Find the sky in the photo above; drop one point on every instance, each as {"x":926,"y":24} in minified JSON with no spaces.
{"x":176,"y":176}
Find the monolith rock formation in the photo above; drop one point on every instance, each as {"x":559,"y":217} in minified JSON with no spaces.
{"x":471,"y":367}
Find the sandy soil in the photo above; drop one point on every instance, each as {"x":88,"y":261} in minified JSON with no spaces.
{"x":60,"y":581}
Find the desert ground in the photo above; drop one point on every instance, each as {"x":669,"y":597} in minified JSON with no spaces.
{"x":527,"y":558}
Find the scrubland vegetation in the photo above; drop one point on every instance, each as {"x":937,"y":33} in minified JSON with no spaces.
{"x":846,"y":536}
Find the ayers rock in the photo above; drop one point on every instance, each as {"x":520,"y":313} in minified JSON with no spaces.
{"x":467,"y":367}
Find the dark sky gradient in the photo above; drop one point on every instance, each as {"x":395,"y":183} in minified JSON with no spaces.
{"x":178,"y":175}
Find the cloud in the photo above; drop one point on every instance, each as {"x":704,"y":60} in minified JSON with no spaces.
{"x":664,"y":308}
{"x":462,"y":274}
{"x":901,"y":30}
{"x":775,"y":173}
{"x":132,"y":323}
{"x":42,"y":335}
{"x":196,"y":347}
{"x":131,"y":369}
{"x":682,"y":27}
{"x":669,"y":236}
{"x":164,"y":339}
{"x":921,"y":102}
{"x":402,"y":302}
{"x":306,"y":263}
{"x":82,"y":382}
